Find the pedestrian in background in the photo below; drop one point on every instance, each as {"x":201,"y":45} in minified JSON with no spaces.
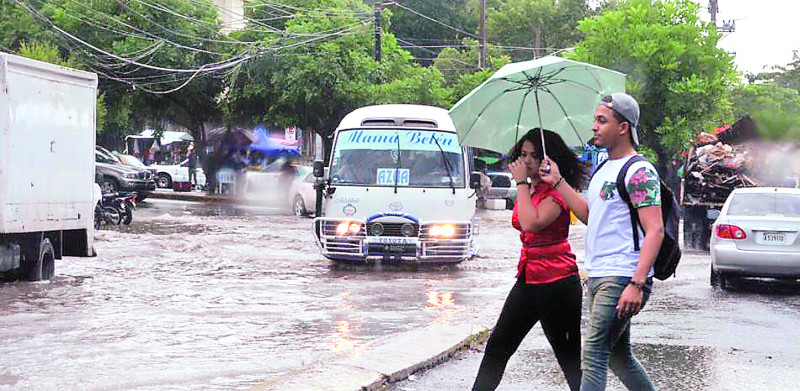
{"x":192,"y":164}
{"x":548,"y":288}
{"x":620,"y":278}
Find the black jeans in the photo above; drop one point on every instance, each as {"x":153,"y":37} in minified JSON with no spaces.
{"x":558,"y":306}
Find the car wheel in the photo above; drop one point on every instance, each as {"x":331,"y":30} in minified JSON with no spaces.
{"x":509,"y":203}
{"x":299,"y":207}
{"x":109,"y":185}
{"x":164,"y":181}
{"x":140,"y":196}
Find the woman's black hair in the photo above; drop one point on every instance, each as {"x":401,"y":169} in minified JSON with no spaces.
{"x":572,"y":169}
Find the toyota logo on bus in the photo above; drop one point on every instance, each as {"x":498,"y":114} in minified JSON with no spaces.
{"x":396,"y":206}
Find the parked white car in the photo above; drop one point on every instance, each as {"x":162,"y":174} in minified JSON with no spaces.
{"x":177,"y":173}
{"x":266,"y":181}
{"x":304,"y":196}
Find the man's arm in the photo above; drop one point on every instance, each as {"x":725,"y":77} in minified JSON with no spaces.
{"x":575,"y":202}
{"x":630,"y":302}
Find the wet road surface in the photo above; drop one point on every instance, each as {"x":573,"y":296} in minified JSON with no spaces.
{"x":688,"y":337}
{"x":197,"y":297}
{"x":194,"y":296}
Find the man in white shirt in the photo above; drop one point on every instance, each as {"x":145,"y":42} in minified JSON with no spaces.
{"x":620,"y":278}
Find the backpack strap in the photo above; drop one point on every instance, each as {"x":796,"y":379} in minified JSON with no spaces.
{"x":623,"y":193}
{"x":596,"y":169}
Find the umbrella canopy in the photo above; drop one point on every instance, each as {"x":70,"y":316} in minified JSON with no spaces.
{"x":550,"y":93}
{"x":234,"y":138}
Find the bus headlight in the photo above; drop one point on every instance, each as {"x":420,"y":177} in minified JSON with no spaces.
{"x":442,"y":231}
{"x":348,"y":228}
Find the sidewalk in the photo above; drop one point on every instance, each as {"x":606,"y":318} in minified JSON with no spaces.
{"x":393,"y":360}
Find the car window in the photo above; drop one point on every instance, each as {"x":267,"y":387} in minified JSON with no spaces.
{"x":309,"y":178}
{"x":760,"y":204}
{"x":102,"y":158}
{"x":501,"y":181}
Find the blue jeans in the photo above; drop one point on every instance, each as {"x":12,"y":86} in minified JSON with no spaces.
{"x":608,"y":343}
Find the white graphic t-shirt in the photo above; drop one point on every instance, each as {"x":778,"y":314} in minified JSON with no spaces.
{"x":609,"y":237}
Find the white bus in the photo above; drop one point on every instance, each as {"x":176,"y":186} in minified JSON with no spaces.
{"x":397,"y":188}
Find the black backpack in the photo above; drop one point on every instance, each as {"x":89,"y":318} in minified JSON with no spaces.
{"x":670,"y":252}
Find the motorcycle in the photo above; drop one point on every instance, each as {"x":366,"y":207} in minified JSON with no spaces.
{"x":115,"y":209}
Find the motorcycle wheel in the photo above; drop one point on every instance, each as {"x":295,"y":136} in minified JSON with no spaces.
{"x":98,"y":216}
{"x":127,"y":216}
{"x":111,"y":215}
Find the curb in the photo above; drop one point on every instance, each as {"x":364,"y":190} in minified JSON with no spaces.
{"x":190,"y":196}
{"x":390,"y":362}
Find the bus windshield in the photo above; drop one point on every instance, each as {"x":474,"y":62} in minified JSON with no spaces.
{"x":402,"y":157}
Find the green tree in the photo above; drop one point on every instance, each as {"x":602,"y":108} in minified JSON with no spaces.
{"x":775,"y":109}
{"x":675,"y":70}
{"x":432,"y":25}
{"x":545,"y":26}
{"x":315,"y":84}
{"x":455,"y":62}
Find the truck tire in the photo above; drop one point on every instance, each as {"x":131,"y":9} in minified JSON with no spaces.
{"x":40,"y":264}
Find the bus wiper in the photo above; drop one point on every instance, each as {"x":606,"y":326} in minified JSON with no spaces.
{"x":397,"y":169}
{"x":446,"y":163}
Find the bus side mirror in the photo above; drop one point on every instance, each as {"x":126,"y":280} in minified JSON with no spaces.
{"x":475,"y":181}
{"x":319,"y":168}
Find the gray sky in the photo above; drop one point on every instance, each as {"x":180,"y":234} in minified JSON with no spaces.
{"x":767,"y":31}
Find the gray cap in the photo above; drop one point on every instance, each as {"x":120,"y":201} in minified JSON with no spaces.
{"x":624,"y":105}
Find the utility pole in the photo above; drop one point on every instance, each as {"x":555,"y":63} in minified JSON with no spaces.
{"x":482,"y":56}
{"x":712,"y":9}
{"x":378,"y":31}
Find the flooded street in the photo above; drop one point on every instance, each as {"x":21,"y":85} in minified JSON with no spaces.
{"x":196,"y":297}
{"x":192,"y":296}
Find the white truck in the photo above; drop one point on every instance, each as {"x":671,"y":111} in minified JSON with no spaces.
{"x":398,"y":188}
{"x":47,"y":136}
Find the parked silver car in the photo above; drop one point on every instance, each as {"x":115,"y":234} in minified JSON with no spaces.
{"x":757,"y":235}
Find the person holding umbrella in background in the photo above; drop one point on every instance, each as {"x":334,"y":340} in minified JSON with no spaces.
{"x":548,"y":288}
{"x":620,"y":278}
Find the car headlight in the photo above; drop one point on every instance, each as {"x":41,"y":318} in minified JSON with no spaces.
{"x":131,"y":176}
{"x":407,"y":229}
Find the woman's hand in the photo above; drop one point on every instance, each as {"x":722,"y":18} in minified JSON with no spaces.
{"x":548,"y":171}
{"x":519,"y":171}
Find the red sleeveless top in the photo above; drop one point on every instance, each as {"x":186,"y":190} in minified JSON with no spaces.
{"x":546,"y":255}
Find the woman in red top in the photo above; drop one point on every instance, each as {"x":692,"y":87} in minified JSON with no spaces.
{"x":548,"y":288}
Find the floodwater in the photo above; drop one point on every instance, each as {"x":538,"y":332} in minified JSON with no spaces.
{"x":192,"y":296}
{"x":219,"y":297}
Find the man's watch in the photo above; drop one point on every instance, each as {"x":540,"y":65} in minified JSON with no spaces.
{"x":639,"y":285}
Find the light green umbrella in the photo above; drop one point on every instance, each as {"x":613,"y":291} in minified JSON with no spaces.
{"x":550,"y":93}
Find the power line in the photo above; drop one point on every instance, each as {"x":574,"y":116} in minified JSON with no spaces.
{"x":432,"y":19}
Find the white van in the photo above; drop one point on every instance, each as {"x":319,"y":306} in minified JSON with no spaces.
{"x":397,"y":189}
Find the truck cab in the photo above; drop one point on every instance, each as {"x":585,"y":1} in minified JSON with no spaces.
{"x":397,"y":188}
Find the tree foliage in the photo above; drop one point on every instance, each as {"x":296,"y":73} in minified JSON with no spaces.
{"x":314,"y":85}
{"x":673,"y":66}
{"x":545,"y":26}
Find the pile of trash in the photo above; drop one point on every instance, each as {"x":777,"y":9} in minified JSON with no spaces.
{"x":714,"y":170}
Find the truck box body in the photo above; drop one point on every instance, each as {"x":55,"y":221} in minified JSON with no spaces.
{"x":47,"y":138}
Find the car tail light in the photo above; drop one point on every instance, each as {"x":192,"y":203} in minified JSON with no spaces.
{"x":728,"y":231}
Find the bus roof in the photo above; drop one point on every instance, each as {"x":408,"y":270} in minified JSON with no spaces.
{"x":402,"y":115}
